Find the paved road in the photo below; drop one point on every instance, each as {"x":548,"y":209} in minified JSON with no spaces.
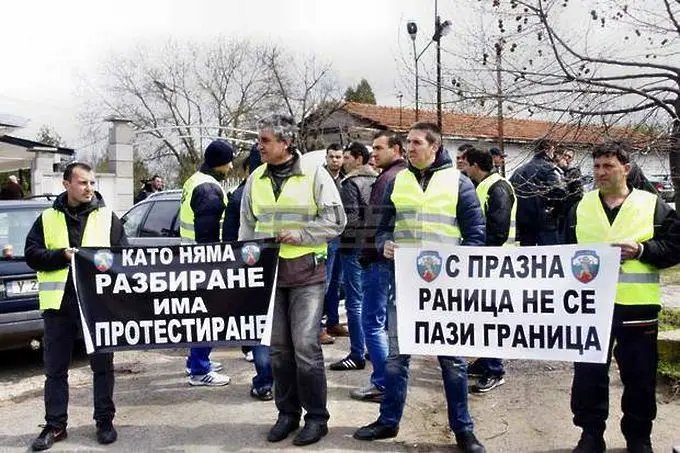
{"x":157,"y":410}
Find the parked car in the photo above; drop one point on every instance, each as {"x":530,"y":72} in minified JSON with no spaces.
{"x":154,"y":221}
{"x":664,"y":185}
{"x":20,"y":319}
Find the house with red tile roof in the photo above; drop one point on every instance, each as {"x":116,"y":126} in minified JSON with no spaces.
{"x":354,"y":121}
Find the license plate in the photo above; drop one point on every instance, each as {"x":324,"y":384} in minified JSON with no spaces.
{"x":21,"y":287}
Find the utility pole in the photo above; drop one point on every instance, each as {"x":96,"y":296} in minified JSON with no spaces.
{"x":499,"y":99}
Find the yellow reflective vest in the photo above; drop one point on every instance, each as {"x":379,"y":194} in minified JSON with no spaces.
{"x":638,"y":282}
{"x":97,"y":233}
{"x":186,"y":214}
{"x":430,"y":215}
{"x":483,"y":195}
{"x":292,"y":210}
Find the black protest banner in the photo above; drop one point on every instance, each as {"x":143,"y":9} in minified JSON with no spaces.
{"x":165,"y":297}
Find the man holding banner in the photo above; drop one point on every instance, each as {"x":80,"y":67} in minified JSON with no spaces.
{"x":430,"y":202}
{"x":647,"y":231}
{"x":296,"y":202}
{"x":200,"y":216}
{"x":78,"y":218}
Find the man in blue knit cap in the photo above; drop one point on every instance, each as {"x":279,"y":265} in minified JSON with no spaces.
{"x":201,"y":214}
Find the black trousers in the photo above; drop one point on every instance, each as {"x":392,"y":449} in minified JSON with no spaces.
{"x":62,"y":327}
{"x":636,"y":355}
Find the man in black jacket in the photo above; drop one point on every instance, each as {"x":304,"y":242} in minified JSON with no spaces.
{"x":77,"y":210}
{"x":540,"y":190}
{"x":388,"y":152}
{"x":647,"y":231}
{"x":355,"y":193}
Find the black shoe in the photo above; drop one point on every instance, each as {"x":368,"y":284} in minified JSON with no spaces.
{"x":48,"y":436}
{"x":468,"y":443}
{"x":639,"y":446}
{"x":310,"y":434}
{"x":284,"y":425}
{"x":590,"y":443}
{"x":263,"y":394}
{"x":375,"y":431}
{"x":487,"y":383}
{"x":106,"y":433}
{"x":348,"y":363}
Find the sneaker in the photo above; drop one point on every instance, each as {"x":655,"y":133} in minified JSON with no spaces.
{"x":348,"y":363}
{"x":211,"y":379}
{"x":263,"y":394}
{"x":370,"y":393}
{"x":337,"y":330}
{"x":248,"y":356}
{"x":47,"y":437}
{"x":590,"y":443}
{"x":476,"y":369}
{"x":488,"y":383}
{"x":468,"y":443}
{"x":324,"y":338}
{"x":214,"y":366}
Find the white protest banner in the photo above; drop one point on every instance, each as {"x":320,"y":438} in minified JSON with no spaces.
{"x":544,"y":303}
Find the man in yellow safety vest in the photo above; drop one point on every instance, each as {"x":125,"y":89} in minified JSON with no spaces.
{"x":78,"y":218}
{"x":428,"y":202}
{"x":201,"y":215}
{"x":499,"y":207}
{"x":296,"y":202}
{"x":647,"y":231}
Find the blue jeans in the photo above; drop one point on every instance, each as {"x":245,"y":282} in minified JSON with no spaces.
{"x":296,"y":355}
{"x":377,"y":286}
{"x":354,"y":294}
{"x":198,"y":360}
{"x":333,"y":279}
{"x":454,"y":374}
{"x":263,"y":379}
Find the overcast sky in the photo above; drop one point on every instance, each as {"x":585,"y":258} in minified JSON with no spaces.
{"x":49,"y":48}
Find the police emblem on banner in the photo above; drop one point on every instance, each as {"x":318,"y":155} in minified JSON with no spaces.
{"x":250,"y":253}
{"x":585,"y":265}
{"x":103,"y":260}
{"x":429,"y":265}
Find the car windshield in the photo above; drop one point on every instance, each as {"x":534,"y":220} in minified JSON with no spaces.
{"x":15,"y":224}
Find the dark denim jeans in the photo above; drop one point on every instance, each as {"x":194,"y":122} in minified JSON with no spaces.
{"x":61,"y":330}
{"x":198,"y":360}
{"x":491,"y":367}
{"x":377,"y":286}
{"x":454,"y":374}
{"x":333,"y":280}
{"x":297,"y":359}
{"x":354,"y":295}
{"x":263,"y":379}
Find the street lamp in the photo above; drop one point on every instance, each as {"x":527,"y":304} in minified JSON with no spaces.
{"x":440,"y":29}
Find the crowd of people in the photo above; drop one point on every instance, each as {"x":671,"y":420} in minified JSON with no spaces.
{"x":338,"y":226}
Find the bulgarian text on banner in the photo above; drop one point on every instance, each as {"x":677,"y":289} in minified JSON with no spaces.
{"x":185,"y":295}
{"x":545,"y":303}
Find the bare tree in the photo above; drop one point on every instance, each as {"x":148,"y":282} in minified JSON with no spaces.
{"x":306,"y":90}
{"x":599,"y":61}
{"x":185,"y":94}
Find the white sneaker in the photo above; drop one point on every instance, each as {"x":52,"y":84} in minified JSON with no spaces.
{"x":249,"y":356}
{"x":214,"y":366}
{"x":211,"y":379}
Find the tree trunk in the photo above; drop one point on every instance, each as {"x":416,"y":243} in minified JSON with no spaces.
{"x":674,"y":159}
